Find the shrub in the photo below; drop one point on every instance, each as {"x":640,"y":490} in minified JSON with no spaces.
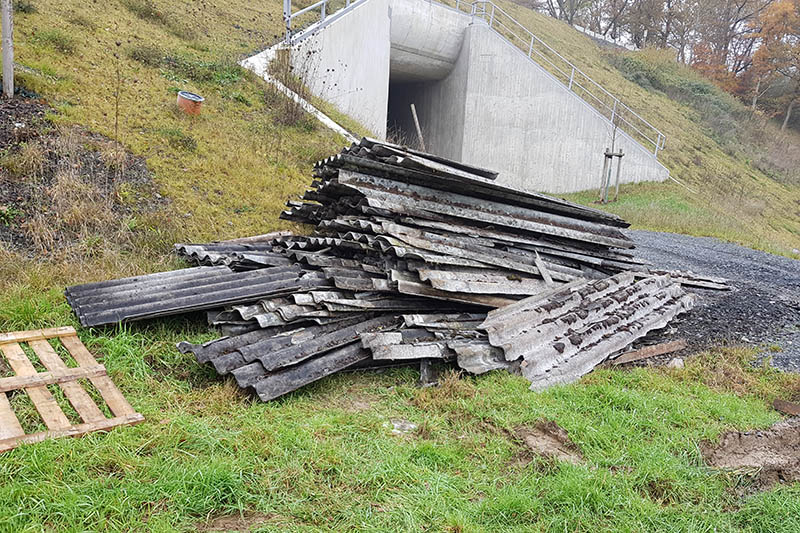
{"x":24,"y":6}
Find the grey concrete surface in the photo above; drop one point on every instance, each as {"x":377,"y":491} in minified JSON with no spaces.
{"x":347,"y":63}
{"x":479,"y":98}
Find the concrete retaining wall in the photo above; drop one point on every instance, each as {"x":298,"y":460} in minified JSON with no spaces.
{"x":347,"y":63}
{"x":426,"y":40}
{"x":479,"y":98}
{"x":521,"y":121}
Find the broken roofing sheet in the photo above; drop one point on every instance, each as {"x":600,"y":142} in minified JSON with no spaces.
{"x":412,"y":258}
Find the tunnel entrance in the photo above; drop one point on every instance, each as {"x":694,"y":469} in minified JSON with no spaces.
{"x":400,"y":128}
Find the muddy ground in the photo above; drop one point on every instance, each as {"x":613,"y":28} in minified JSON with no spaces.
{"x":765,"y":457}
{"x":762,"y":309}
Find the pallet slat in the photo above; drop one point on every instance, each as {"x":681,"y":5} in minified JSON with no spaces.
{"x":77,"y":396}
{"x":36,"y":334}
{"x":50,"y":378}
{"x":72,"y":431}
{"x":44,"y":402}
{"x":9,"y":425}
{"x":110,"y":393}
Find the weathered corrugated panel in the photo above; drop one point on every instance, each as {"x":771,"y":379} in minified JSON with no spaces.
{"x":399,"y":231}
{"x":182,"y":291}
{"x":566,"y":332}
{"x":479,"y":188}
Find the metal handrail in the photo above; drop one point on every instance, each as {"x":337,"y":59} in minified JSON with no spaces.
{"x":322,"y":5}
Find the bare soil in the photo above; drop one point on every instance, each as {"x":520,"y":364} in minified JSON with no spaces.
{"x":770,"y":456}
{"x":549,"y":440}
{"x":243,"y":523}
{"x":106,"y":181}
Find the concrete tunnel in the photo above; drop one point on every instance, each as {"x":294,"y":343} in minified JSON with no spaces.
{"x":479,"y":98}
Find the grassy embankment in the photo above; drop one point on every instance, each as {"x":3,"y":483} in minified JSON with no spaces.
{"x":324,"y":458}
{"x":743,"y":170}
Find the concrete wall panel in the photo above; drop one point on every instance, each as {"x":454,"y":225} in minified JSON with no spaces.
{"x":521,"y":121}
{"x":347,"y":63}
{"x":426,"y":40}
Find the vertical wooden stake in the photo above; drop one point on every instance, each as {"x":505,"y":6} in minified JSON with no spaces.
{"x":603,"y":174}
{"x":8,"y":49}
{"x":619,"y":166}
{"x":419,"y":130}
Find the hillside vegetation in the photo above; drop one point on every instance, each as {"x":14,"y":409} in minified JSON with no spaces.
{"x":325,"y":458}
{"x":743,"y":170}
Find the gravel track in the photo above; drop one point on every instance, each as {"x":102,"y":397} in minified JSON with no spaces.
{"x":763,"y":309}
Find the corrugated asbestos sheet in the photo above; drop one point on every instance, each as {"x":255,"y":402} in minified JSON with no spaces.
{"x":412,"y":258}
{"x":182,"y":291}
{"x":561,"y":335}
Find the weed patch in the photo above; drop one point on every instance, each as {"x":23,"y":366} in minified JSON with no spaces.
{"x":83,"y":21}
{"x":147,"y":10}
{"x":25,"y":7}
{"x":178,"y":139}
{"x":57,"y":40}
{"x":221,"y":72}
{"x":147,"y":54}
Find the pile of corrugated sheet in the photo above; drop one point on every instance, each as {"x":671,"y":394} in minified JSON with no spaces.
{"x":412,"y":258}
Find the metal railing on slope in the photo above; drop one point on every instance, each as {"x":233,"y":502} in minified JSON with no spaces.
{"x":563,"y":70}
{"x":538,"y":51}
{"x":296,"y":21}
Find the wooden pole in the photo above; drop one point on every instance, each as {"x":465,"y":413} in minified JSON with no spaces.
{"x":419,"y":130}
{"x":8,"y":49}
{"x":619,"y":166}
{"x":603,"y":175}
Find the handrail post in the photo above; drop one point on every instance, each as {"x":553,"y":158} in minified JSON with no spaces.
{"x":530,"y":48}
{"x":322,"y":11}
{"x":287,"y":17}
{"x":658,"y":142}
{"x":347,"y":4}
{"x":491,"y":17}
{"x":571,"y":78}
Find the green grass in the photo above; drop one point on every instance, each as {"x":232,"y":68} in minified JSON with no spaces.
{"x":324,"y":458}
{"x":744,"y":178}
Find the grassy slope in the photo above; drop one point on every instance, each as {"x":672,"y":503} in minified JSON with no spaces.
{"x":324,"y":458}
{"x":734,"y":200}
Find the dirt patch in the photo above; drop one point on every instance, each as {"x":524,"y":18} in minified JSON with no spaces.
{"x":549,"y":440}
{"x":770,"y":456}
{"x":240,"y":523}
{"x":63,"y":187}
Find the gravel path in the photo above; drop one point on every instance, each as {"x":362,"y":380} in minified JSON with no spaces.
{"x":763,"y":309}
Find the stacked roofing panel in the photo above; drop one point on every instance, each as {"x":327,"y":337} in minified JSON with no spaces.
{"x":408,"y":255}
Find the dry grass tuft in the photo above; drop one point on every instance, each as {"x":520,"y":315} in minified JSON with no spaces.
{"x":27,"y":163}
{"x":452,"y":388}
{"x":732,"y":370}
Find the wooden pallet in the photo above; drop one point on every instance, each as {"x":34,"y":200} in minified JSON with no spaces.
{"x":35,"y":385}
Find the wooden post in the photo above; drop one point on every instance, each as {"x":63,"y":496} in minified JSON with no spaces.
{"x":603,"y":174}
{"x":419,"y":130}
{"x":619,"y":166}
{"x":8,"y":49}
